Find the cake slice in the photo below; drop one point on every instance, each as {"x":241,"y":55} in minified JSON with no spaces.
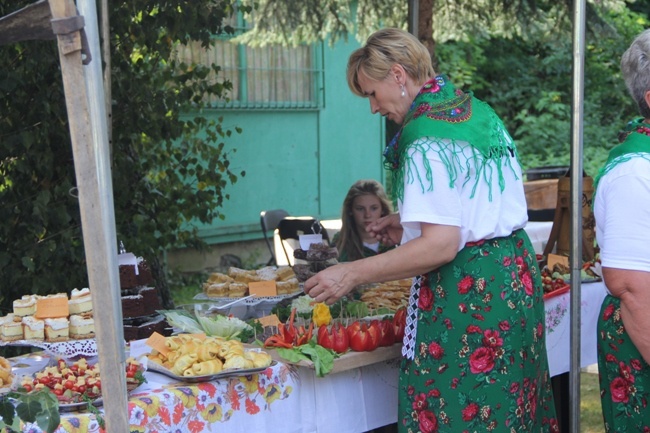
{"x":81,"y":327}
{"x":33,"y":328}
{"x":57,"y":329}
{"x":80,"y":302}
{"x":25,"y":306}
{"x":11,"y":330}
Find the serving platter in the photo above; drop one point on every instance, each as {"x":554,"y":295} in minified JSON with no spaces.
{"x":157,"y":368}
{"x":79,"y":406}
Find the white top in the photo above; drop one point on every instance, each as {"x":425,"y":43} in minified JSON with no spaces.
{"x":478,"y":217}
{"x":373,"y":246}
{"x":622,"y":212}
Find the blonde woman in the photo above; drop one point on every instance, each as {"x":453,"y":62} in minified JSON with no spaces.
{"x":474,"y":353}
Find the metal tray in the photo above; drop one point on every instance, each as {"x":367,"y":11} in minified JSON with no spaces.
{"x":80,"y":406}
{"x":157,"y":368}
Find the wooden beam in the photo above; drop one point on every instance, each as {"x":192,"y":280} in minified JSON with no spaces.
{"x":94,"y":183}
{"x":29,"y":23}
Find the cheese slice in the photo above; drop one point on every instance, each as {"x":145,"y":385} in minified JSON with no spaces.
{"x":52,"y":307}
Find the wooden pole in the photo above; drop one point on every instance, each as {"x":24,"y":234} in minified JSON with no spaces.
{"x":94,"y":184}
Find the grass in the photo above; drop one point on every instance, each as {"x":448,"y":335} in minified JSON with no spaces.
{"x":591,"y":419}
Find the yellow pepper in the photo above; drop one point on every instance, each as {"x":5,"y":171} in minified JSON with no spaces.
{"x":321,"y":314}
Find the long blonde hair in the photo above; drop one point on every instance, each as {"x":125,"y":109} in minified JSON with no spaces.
{"x":349,"y":240}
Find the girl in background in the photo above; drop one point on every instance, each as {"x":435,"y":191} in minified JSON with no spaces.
{"x":365,"y":203}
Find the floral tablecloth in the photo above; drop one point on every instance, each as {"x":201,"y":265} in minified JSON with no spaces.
{"x":283,"y":398}
{"x":161,"y":405}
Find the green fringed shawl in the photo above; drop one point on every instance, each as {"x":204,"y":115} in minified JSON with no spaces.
{"x":443,"y":119}
{"x":636,"y":143}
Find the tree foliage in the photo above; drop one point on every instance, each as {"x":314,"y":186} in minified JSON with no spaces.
{"x":170,"y":165}
{"x":515,"y":54}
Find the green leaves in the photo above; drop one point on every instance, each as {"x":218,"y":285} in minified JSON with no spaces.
{"x":40,"y":407}
{"x":322,"y":358}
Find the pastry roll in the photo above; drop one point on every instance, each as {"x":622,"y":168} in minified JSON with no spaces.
{"x":183,"y":363}
{"x":237,"y":362}
{"x":230,"y":348}
{"x":207,"y":367}
{"x":259,"y":359}
{"x":207,"y":352}
{"x":189,"y":347}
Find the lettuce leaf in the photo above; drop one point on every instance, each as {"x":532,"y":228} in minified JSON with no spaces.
{"x":182,"y":320}
{"x":322,"y":358}
{"x":223,"y":326}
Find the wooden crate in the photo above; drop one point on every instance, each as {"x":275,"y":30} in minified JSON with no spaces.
{"x":541,"y":194}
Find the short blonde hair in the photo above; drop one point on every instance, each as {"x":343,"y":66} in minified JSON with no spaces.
{"x":385,"y":48}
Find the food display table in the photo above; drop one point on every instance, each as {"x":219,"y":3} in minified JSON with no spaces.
{"x":359,"y":397}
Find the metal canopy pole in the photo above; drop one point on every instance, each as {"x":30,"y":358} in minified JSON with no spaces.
{"x":88,"y":134}
{"x":577,"y":116}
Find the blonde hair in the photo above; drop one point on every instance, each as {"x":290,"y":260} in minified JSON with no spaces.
{"x":349,"y":240}
{"x":385,"y":48}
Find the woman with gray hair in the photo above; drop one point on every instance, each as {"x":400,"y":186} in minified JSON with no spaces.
{"x":474,"y":355}
{"x":622,"y":213}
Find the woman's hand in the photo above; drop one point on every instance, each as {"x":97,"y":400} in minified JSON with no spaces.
{"x":387,"y":230}
{"x":330,"y":284}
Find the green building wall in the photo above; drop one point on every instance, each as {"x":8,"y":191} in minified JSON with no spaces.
{"x":300,"y":161}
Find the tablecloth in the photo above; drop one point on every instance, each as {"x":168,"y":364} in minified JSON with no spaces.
{"x":282,"y":398}
{"x":558,"y":327}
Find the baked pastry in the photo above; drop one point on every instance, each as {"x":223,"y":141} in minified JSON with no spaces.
{"x":57,"y":329}
{"x":81,"y":327}
{"x":216,"y":289}
{"x":33,"y":328}
{"x":218,"y":277}
{"x":25,"y":306}
{"x":285,"y":273}
{"x":242,"y":275}
{"x":267,"y":273}
{"x":80,"y":302}
{"x":205,"y":368}
{"x":6,"y":376}
{"x":237,"y":290}
{"x":287,"y":287}
{"x":11,"y":330}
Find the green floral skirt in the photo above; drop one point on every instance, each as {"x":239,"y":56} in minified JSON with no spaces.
{"x":624,"y":375}
{"x":480,"y":353}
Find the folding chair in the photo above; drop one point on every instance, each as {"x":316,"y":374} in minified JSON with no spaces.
{"x":293,"y":227}
{"x":269,"y":220}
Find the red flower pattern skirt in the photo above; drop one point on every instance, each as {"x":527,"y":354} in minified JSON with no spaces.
{"x":480,"y":356}
{"x":624,"y":375}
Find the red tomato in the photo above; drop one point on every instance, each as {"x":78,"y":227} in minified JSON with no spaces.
{"x":68,"y":384}
{"x":335,"y":338}
{"x":399,"y":323}
{"x":364,"y":337}
{"x":387,"y":335}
